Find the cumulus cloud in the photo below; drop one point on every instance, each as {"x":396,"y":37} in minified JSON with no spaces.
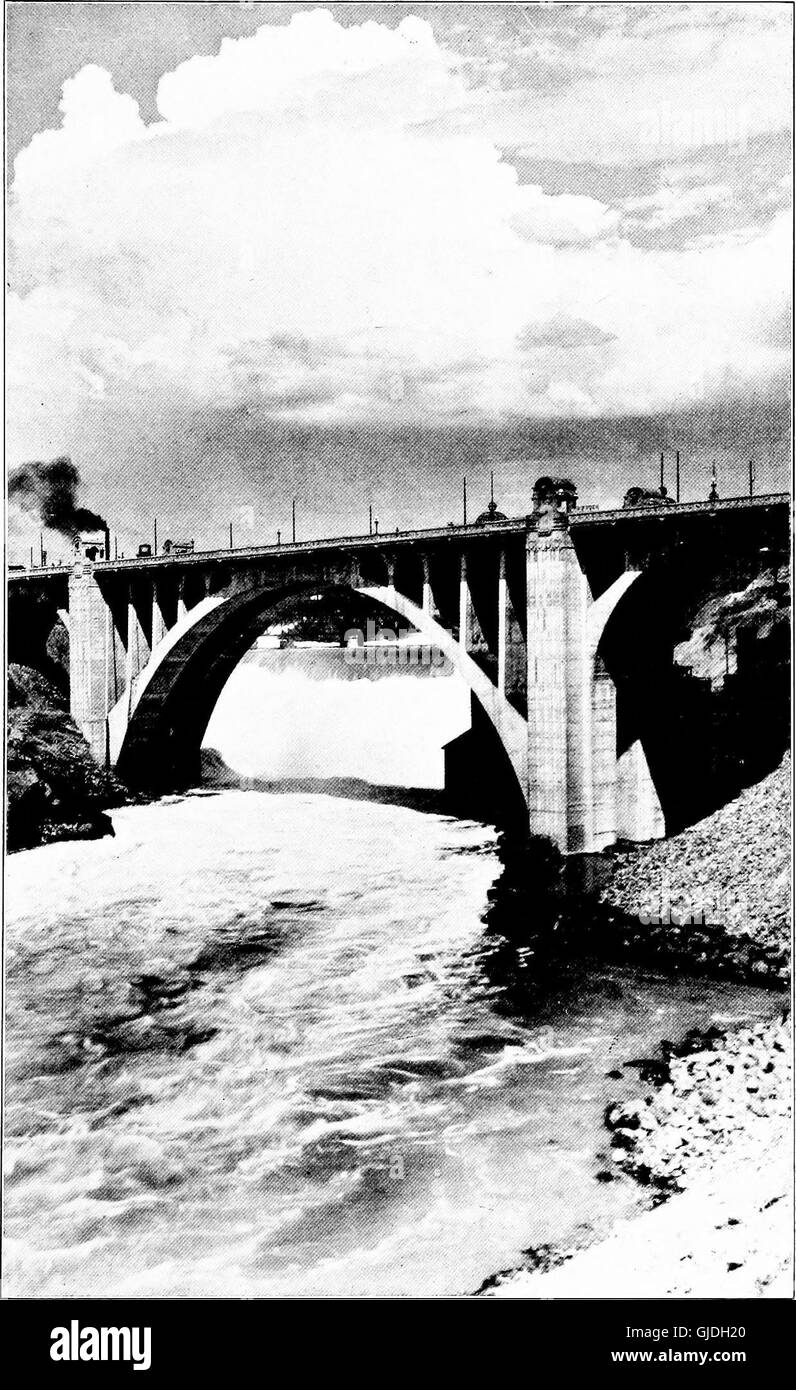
{"x":566,"y":220}
{"x":304,"y":234}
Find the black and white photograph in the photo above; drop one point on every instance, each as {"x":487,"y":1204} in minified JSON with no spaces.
{"x":398,"y":853}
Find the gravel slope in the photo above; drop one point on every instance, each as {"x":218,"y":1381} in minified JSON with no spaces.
{"x":736,"y":863}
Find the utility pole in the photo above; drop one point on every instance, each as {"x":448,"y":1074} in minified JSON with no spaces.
{"x":370,"y":520}
{"x":116,"y":547}
{"x":230,"y":535}
{"x":41,"y":547}
{"x":677,"y":475}
{"x":663,"y":489}
{"x":751,"y":477}
{"x":155,"y":551}
{"x":464,"y":499}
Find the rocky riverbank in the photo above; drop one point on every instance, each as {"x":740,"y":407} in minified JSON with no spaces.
{"x":721,"y":886}
{"x":710,"y":1126}
{"x":55,"y":791}
{"x":728,"y":1236}
{"x":717,"y":1093}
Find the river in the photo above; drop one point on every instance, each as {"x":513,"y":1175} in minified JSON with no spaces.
{"x":267,"y":1044}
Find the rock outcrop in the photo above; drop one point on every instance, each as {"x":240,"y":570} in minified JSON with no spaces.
{"x":55,"y":791}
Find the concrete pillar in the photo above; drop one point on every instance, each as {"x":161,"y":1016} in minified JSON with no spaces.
{"x":512,"y":660}
{"x":158,"y":620}
{"x":603,"y":758}
{"x":559,"y":743}
{"x":90,"y":635}
{"x":137,"y":653}
{"x":465,"y":606}
{"x":429,"y":606}
{"x":470,"y":634}
{"x":182,"y":607}
{"x":117,"y":653}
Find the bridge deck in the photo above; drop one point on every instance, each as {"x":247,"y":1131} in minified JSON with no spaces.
{"x":580,"y":520}
{"x":587,"y":516}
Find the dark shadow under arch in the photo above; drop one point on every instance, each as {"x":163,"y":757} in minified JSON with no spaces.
{"x":704,"y":742}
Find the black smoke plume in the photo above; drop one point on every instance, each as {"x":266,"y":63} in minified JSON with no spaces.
{"x":49,"y":489}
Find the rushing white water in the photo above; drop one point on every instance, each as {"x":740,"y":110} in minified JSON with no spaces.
{"x":265,"y":1044}
{"x":302,"y":713}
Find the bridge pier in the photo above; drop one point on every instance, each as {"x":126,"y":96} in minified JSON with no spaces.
{"x":90,"y":660}
{"x":555,"y":809}
{"x":580,"y":794}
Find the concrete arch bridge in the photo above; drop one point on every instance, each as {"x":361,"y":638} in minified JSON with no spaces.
{"x":560,"y":623}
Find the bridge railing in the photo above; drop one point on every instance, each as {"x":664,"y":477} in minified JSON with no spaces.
{"x":659,"y":511}
{"x":383,"y":540}
{"x":581,"y":516}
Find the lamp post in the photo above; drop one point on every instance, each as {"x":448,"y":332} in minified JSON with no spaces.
{"x":713,"y":495}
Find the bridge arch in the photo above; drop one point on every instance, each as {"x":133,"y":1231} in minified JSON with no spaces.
{"x":156,"y":727}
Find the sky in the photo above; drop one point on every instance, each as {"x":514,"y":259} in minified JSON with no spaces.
{"x":349,"y":253}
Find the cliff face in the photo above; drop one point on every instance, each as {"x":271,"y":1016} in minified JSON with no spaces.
{"x":55,"y":789}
